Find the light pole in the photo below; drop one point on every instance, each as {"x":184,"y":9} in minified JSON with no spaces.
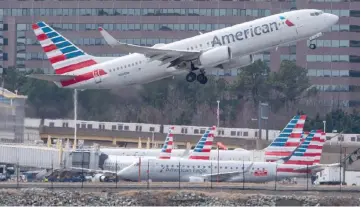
{"x":218,"y":113}
{"x":324,"y":126}
{"x":75,"y":116}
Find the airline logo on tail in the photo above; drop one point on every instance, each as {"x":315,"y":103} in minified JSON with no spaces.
{"x":64,"y":56}
{"x":202,"y":150}
{"x":308,"y":153}
{"x":166,"y":151}
{"x":287,"y":141}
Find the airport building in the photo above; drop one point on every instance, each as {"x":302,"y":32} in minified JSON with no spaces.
{"x":12,"y":116}
{"x":334,"y":67}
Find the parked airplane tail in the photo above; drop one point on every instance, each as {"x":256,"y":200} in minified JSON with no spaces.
{"x":65,"y":57}
{"x":166,"y":151}
{"x":309,"y":152}
{"x":287,"y":141}
{"x":202,"y":151}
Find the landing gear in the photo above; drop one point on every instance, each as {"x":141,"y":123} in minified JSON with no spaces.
{"x":312,"y":46}
{"x":201,"y":78}
{"x":191,"y":77}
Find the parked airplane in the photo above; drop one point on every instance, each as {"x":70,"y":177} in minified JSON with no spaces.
{"x":114,"y":164}
{"x":298,"y":164}
{"x":282,"y":146}
{"x":231,"y":47}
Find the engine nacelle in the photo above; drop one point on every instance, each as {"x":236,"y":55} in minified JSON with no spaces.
{"x":197,"y":179}
{"x":238,"y":62}
{"x":215,"y":56}
{"x":99,"y":178}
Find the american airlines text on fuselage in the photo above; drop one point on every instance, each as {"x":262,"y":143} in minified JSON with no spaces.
{"x":238,"y":36}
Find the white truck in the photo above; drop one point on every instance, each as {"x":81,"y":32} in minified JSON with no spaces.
{"x":332,"y":176}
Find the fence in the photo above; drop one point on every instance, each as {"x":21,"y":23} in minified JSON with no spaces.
{"x":176,"y":174}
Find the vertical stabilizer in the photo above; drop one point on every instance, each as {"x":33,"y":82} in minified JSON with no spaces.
{"x":202,"y":151}
{"x":287,"y":141}
{"x":166,"y":151}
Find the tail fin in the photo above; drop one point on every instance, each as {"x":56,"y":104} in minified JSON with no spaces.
{"x":166,"y":151}
{"x":287,"y":141}
{"x":309,"y":152}
{"x":316,"y":146}
{"x":63,"y":55}
{"x":202,"y":151}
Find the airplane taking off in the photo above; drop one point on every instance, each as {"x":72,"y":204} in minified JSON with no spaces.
{"x":304,"y":159}
{"x":282,"y":146}
{"x":231,"y":47}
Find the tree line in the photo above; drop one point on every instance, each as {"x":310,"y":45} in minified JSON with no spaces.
{"x":175,"y":101}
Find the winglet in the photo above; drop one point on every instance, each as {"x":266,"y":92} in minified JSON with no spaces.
{"x":108,"y":38}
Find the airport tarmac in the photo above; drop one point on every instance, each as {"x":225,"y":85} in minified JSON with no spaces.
{"x":185,"y":185}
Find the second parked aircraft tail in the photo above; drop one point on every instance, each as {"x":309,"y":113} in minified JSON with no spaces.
{"x":287,"y":141}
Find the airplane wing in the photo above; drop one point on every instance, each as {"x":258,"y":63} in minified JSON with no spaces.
{"x":224,"y":176}
{"x":79,"y":169}
{"x":165,"y":55}
{"x":318,"y":167}
{"x":51,"y":77}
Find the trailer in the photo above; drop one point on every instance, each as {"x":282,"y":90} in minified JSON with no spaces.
{"x":332,"y":176}
{"x":329,"y":176}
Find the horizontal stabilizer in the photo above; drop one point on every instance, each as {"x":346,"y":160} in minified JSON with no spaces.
{"x":51,"y":77}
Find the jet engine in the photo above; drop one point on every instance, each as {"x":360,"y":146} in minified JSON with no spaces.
{"x":197,"y":179}
{"x":215,"y":56}
{"x":99,"y":178}
{"x":238,"y":62}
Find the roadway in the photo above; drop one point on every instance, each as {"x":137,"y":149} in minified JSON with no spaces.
{"x":224,"y":186}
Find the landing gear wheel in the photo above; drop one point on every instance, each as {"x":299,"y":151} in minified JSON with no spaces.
{"x":201,"y":78}
{"x":191,"y":77}
{"x":312,"y":46}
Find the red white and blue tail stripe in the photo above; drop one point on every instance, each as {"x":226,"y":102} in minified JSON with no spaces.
{"x":202,"y":151}
{"x":166,"y":151}
{"x":65,"y":57}
{"x":287,"y":141}
{"x":309,"y":152}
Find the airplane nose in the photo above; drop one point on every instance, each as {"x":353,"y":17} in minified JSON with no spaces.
{"x":331,"y":18}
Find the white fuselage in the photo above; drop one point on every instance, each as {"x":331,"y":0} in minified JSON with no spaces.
{"x":243,"y":39}
{"x":222,"y":154}
{"x":192,"y":170}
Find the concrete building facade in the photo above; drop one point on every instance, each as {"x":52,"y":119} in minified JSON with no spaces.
{"x":334,"y":67}
{"x":12,"y":116}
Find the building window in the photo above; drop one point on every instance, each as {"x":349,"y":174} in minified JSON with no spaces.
{"x":51,"y":124}
{"x":151,"y":129}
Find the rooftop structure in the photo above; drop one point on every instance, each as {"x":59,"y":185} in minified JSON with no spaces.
{"x":12,"y":115}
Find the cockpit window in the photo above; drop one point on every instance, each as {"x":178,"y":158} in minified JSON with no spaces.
{"x":135,"y":164}
{"x":316,"y":13}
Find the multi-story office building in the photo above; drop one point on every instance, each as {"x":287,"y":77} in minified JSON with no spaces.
{"x":334,"y":67}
